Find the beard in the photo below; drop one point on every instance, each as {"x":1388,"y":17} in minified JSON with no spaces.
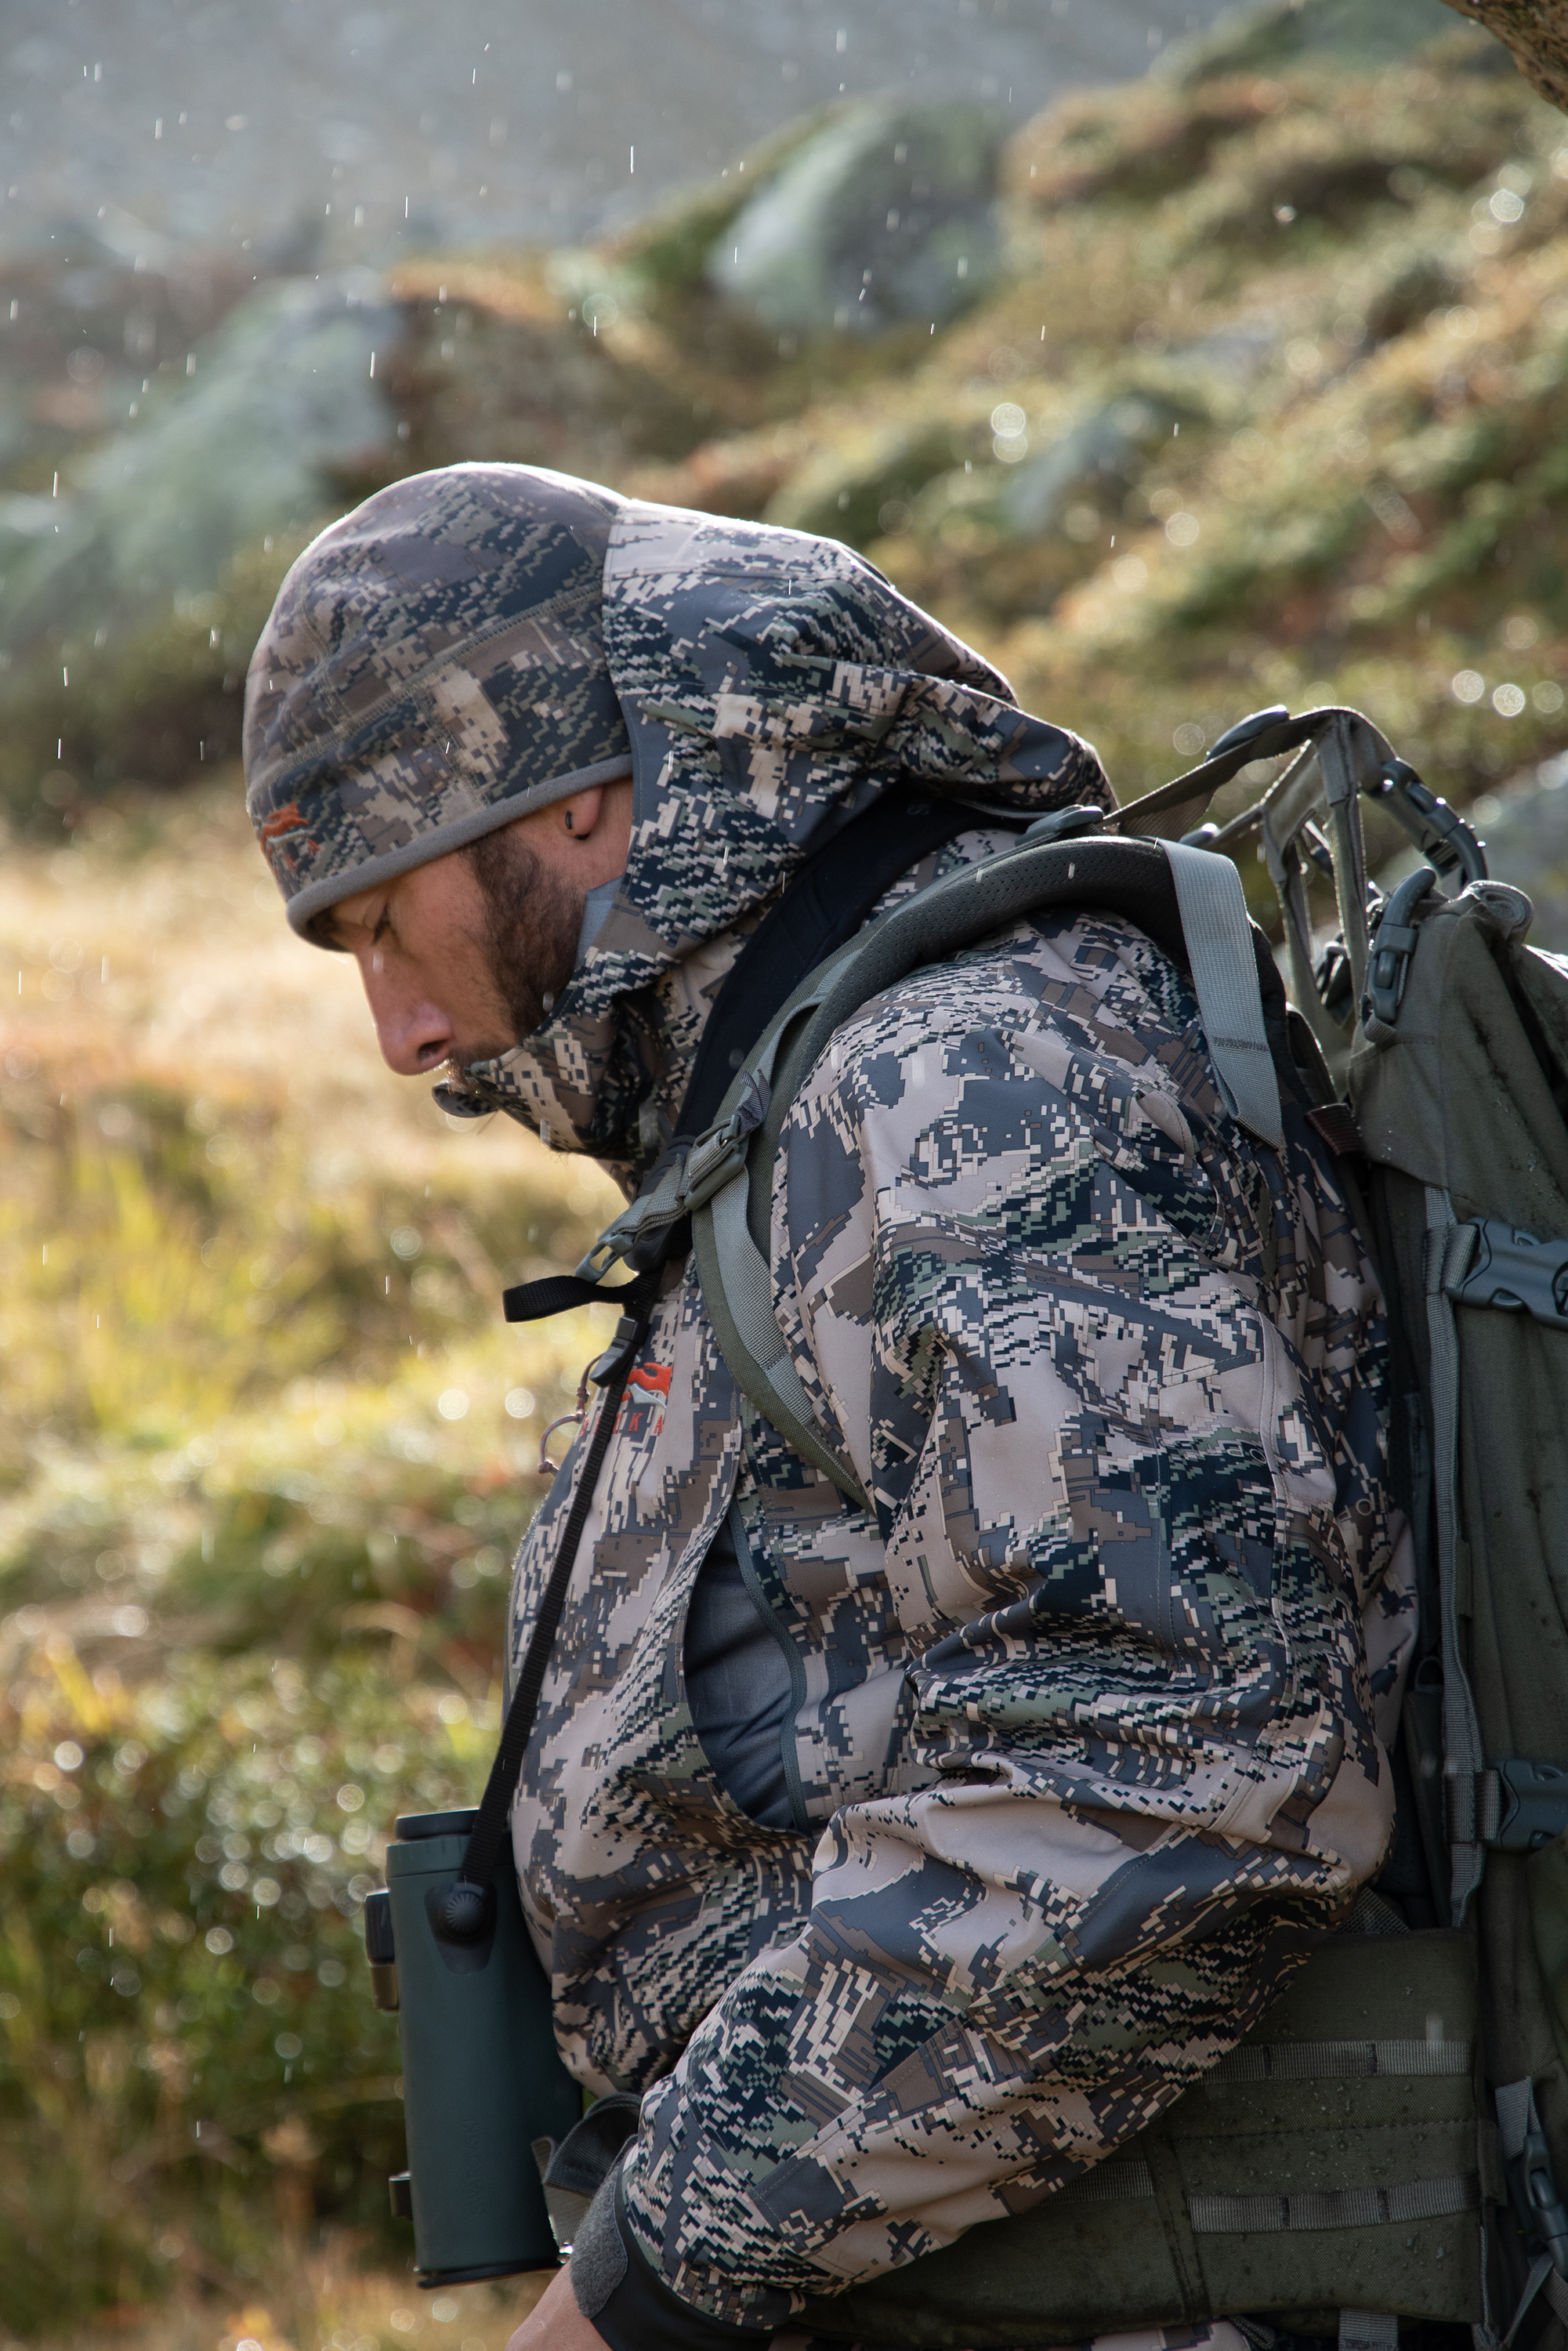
{"x":532,"y":926}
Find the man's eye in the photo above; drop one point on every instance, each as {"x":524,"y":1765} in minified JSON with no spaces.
{"x":382,"y":928}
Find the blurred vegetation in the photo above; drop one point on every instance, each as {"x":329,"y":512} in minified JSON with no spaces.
{"x":1272,"y":404}
{"x":265,"y":1452}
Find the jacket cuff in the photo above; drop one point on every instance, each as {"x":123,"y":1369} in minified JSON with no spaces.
{"x":625,"y":2299}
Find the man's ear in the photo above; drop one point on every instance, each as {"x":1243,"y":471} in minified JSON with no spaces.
{"x":581,"y":814}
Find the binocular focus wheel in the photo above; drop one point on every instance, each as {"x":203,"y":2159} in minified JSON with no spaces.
{"x":466,"y":1911}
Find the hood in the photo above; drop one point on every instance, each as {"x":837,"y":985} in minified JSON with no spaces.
{"x":772,"y":685}
{"x":764,"y":686}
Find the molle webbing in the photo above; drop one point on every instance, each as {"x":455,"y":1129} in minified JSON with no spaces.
{"x":1330,"y":2161}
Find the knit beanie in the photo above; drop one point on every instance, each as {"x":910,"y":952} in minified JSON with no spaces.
{"x":432,"y":668}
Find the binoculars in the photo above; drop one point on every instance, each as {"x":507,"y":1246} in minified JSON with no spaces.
{"x":482,"y":2079}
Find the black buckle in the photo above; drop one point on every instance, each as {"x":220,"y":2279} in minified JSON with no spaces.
{"x":1532,"y":2192}
{"x":1531,"y":1805}
{"x":622,"y":1346}
{"x":1393,"y":945}
{"x":1440,"y":835}
{"x":1516,"y":1273}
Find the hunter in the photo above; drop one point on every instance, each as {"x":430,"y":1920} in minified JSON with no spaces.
{"x":906,"y":1856}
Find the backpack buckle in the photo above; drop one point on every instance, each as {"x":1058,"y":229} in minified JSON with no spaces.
{"x":1531,"y":1807}
{"x":718,"y":1156}
{"x":1516,"y":1273}
{"x":1440,"y":835}
{"x":1393,"y":945}
{"x":1532,"y":2191}
{"x":713,"y":1162}
{"x":638,"y":1233}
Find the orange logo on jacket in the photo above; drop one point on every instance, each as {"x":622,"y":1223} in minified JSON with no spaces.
{"x":641,"y":1417}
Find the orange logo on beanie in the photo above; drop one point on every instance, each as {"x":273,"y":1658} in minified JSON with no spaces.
{"x":270,"y":832}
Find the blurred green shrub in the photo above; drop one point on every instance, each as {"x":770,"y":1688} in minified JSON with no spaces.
{"x":254,"y":1549}
{"x":153,"y":701}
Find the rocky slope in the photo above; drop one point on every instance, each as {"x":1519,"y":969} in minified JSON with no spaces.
{"x":1242,"y":384}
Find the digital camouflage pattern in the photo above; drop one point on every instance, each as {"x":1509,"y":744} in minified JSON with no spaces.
{"x":434,"y":667}
{"x":772,"y":685}
{"x":1086,"y":1729}
{"x":1084,"y":1751}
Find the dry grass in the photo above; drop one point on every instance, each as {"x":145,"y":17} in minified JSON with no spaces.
{"x":266,"y":1448}
{"x":328,"y":2302}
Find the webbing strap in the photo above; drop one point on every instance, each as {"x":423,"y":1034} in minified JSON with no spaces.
{"x":1542,"y":2274}
{"x":1515,"y":2116}
{"x":1532,"y":2187}
{"x":1133,"y":2182}
{"x":1334,"y":2208}
{"x":1219,"y":934}
{"x":1125,"y":2181}
{"x":1449,"y":1249}
{"x":1556,"y":2289}
{"x":556,"y":1293}
{"x":1323,"y":2061}
{"x":738,"y":1292}
{"x":1368,"y":2330}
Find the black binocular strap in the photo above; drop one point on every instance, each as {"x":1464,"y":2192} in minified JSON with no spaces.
{"x":489,"y":1830}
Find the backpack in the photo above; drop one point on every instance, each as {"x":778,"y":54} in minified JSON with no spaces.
{"x":1386,"y":2142}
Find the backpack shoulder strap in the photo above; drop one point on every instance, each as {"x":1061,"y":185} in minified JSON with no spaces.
{"x":1189,"y":901}
{"x":1221,"y":957}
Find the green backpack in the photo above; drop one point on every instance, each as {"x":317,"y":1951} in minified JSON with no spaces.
{"x":1386,"y":2143}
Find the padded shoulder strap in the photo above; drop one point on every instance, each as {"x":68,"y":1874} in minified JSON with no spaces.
{"x":1188,"y":901}
{"x":1217,"y":930}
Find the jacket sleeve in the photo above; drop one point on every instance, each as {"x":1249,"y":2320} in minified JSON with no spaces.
{"x":1022,"y":1260}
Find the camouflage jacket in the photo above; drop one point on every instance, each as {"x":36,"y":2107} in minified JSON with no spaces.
{"x":1085,"y":1744}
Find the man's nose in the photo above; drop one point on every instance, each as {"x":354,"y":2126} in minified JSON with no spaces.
{"x":413,"y":1031}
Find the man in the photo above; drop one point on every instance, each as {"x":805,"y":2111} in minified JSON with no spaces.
{"x":908,"y":1858}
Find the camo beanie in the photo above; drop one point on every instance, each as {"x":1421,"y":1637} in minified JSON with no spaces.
{"x":433,"y":666}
